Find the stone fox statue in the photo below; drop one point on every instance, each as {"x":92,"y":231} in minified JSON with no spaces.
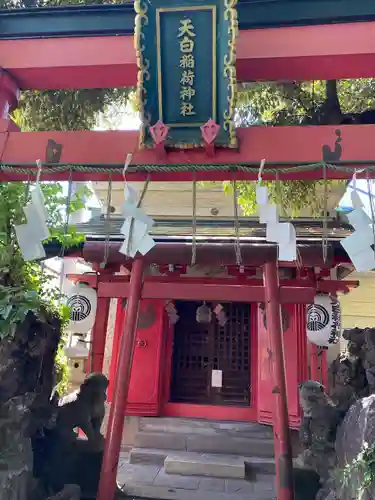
{"x":369,"y":357}
{"x":83,"y":409}
{"x":62,"y":459}
{"x":347,"y":376}
{"x":318,"y":428}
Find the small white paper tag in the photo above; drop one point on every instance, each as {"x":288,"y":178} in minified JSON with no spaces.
{"x":261,"y":195}
{"x":359,"y":219}
{"x":218,"y":309}
{"x":37,"y":225}
{"x":217,"y":378}
{"x":37,"y":199}
{"x":31,"y":248}
{"x":288,"y":252}
{"x":286,"y":233}
{"x":268,"y":214}
{"x":356,"y":199}
{"x":358,"y":242}
{"x":364,"y":261}
{"x":130,"y":194}
{"x":140,"y":240}
{"x":129,"y":210}
{"x":272,"y":232}
{"x":146,"y":244}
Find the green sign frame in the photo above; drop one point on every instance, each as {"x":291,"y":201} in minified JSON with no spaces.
{"x":186,"y":56}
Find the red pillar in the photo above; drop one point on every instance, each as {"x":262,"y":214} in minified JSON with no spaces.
{"x":99,"y":335}
{"x":107,"y":484}
{"x":283,"y":447}
{"x":9,"y":94}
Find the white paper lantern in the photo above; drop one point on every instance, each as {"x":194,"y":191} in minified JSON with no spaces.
{"x":82,"y":301}
{"x":323,"y":320}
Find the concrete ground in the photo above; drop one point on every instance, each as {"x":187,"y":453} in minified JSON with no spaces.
{"x":151,"y":481}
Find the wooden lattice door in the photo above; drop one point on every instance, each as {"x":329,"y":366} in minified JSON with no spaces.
{"x":201,"y":349}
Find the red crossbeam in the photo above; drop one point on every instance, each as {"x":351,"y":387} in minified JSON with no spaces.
{"x":112,"y":282}
{"x":291,"y":53}
{"x":281,"y":146}
{"x":210,"y":292}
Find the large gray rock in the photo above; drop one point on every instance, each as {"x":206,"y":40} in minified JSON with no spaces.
{"x":318,"y":429}
{"x":16,"y":457}
{"x":355,"y":446}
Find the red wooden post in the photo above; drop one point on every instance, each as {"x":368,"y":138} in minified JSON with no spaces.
{"x":107,"y":484}
{"x":283,"y":447}
{"x":99,"y":335}
{"x":9,"y":94}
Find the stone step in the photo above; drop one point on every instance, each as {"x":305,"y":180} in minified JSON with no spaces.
{"x":208,"y":465}
{"x":153,"y":482}
{"x":147,"y":456}
{"x":253,"y":465}
{"x":206,"y":427}
{"x":231,"y":445}
{"x":160,"y":440}
{"x":258,"y":465}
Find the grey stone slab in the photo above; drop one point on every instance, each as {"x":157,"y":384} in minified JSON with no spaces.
{"x":263,"y":488}
{"x":211,"y":484}
{"x":174,"y":424}
{"x":261,"y":493}
{"x":176,"y":481}
{"x":168,"y":493}
{"x":124,"y":454}
{"x":196,"y":464}
{"x":265,"y":483}
{"x":144,"y":474}
{"x":230,"y":445}
{"x":148,"y":456}
{"x":160,"y":441}
{"x":238,"y":486}
{"x":122,"y":463}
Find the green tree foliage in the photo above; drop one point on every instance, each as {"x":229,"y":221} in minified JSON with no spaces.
{"x":306,"y":103}
{"x":14,"y":271}
{"x":26,"y":286}
{"x":313,"y":103}
{"x":63,"y":109}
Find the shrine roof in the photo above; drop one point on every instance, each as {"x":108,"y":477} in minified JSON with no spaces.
{"x":180,"y":228}
{"x":214,"y":242}
{"x":105,"y":20}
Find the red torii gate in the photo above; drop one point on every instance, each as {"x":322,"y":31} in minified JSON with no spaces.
{"x":323,"y":52}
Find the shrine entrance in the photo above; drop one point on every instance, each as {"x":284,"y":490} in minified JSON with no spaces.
{"x":211,"y":363}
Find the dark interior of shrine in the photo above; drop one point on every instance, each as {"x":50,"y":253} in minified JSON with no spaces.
{"x":211,"y":359}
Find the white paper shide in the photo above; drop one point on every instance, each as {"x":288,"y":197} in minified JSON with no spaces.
{"x":31,"y":235}
{"x":358,"y":245}
{"x":282,"y":233}
{"x":136,"y":226}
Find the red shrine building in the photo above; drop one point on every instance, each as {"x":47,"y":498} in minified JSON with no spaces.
{"x":176,"y":357}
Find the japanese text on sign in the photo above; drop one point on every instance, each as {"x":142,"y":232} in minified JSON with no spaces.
{"x":186,"y":37}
